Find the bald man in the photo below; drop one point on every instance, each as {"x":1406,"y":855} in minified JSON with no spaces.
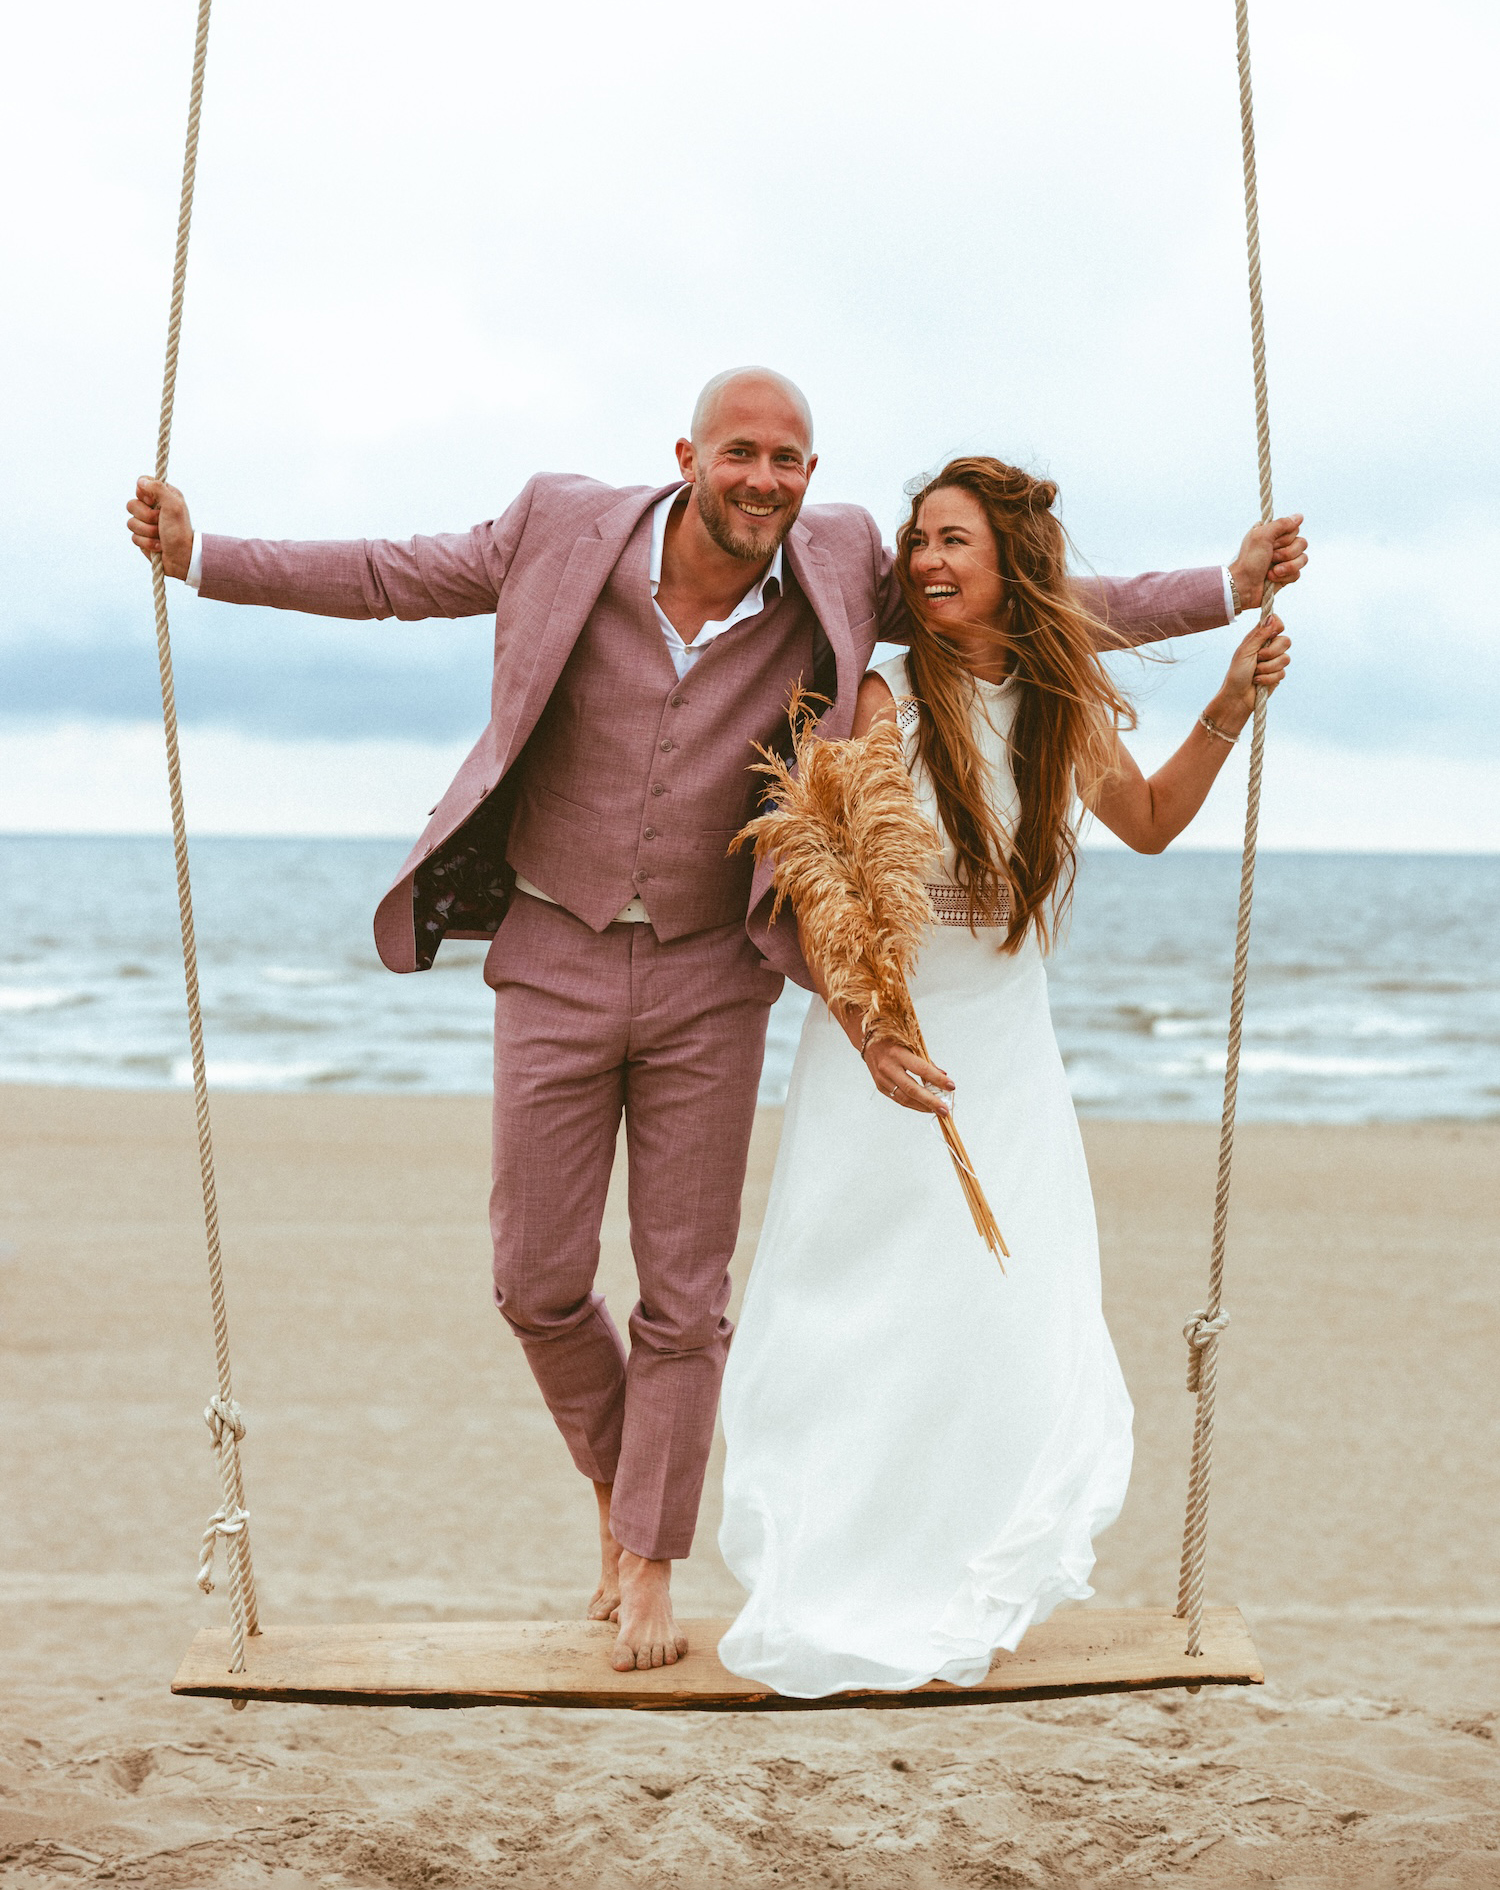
{"x":644,"y":639}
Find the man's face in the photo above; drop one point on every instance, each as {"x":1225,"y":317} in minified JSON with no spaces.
{"x":750,"y":470}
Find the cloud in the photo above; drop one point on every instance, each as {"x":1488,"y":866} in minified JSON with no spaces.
{"x":88,"y":776}
{"x":91,"y":777}
{"x":1393,"y":649}
{"x":260,"y":672}
{"x":438,"y":254}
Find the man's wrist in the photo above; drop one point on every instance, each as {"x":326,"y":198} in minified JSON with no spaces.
{"x":1247,"y":588}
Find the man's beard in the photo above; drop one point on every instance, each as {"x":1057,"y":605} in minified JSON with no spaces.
{"x":718,"y":522}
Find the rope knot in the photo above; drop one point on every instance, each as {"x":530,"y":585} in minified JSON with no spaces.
{"x":1200,"y":1331}
{"x":223,"y":1415}
{"x":225,"y":1521}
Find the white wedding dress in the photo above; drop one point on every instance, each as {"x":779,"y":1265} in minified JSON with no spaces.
{"x":921,"y":1448}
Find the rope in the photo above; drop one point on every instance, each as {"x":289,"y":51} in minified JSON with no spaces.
{"x":1203,"y":1329}
{"x":226,"y":1425}
{"x":1200,"y":1331}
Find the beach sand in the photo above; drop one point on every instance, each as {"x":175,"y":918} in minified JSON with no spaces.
{"x":400,"y":1465}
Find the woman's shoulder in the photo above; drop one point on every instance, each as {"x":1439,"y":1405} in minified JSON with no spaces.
{"x":892,"y":672}
{"x":894,"y":675}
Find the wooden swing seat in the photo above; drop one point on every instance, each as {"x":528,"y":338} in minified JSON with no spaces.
{"x":551,"y":1663}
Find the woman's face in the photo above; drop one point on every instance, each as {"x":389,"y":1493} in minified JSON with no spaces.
{"x":953,"y":559}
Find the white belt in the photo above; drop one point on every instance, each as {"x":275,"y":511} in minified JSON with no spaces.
{"x":632,"y":913}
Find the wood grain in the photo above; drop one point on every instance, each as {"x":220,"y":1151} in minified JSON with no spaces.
{"x":546,"y":1663}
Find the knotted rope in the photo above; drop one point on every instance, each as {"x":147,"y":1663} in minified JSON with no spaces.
{"x":226,"y":1427}
{"x":225,"y":1424}
{"x":1200,"y":1331}
{"x":1203,"y":1329}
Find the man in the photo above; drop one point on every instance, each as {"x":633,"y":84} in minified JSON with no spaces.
{"x":644,"y":639}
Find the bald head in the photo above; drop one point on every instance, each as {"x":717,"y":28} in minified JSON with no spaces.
{"x":722,"y":404}
{"x":748,"y":463}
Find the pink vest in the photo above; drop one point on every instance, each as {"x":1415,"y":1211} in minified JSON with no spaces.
{"x":634,"y":782}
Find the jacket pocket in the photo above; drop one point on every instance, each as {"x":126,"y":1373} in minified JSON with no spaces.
{"x":559,"y":807}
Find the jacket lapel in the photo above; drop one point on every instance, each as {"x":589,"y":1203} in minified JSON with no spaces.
{"x":593,"y":555}
{"x":822,"y":591}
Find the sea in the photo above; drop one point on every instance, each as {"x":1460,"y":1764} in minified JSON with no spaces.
{"x":1374,"y":989}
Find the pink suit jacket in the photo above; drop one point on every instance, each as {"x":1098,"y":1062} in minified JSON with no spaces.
{"x":540,"y":568}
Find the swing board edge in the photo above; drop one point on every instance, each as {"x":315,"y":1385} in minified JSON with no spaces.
{"x":453,"y":1665}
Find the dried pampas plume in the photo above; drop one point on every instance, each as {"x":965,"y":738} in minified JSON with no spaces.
{"x":848,"y":846}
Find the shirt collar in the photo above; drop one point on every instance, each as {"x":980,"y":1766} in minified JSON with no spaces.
{"x":661,"y":512}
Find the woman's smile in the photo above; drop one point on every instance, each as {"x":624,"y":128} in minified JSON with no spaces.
{"x":953,"y":558}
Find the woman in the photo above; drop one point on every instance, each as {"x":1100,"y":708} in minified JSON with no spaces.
{"x":921,"y":1449}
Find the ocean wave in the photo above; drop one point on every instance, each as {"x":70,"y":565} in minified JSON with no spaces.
{"x":1385,"y":1026}
{"x":241,"y":1073}
{"x":1297,"y":1063}
{"x":1089,"y":1084}
{"x":1185,"y":1026}
{"x":41,"y":997}
{"x":1374,"y":998}
{"x":1301,"y":1024}
{"x":1431,"y":987}
{"x":307,"y":975}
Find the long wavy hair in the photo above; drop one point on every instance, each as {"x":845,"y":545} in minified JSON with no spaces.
{"x":1068,"y":709}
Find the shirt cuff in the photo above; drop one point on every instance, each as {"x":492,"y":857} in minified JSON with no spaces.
{"x":1229,"y":610}
{"x":195,"y":565}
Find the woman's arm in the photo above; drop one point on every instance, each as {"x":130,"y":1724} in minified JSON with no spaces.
{"x":1148,"y":813}
{"x":895,"y":1072}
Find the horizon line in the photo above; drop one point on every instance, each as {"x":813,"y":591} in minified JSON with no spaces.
{"x":1096,"y":846}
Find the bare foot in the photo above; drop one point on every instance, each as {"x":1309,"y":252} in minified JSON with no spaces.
{"x":606,"y":1600}
{"x":649,"y":1634}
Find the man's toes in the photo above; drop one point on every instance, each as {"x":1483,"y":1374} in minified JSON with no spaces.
{"x":624,"y":1658}
{"x":682,"y":1645}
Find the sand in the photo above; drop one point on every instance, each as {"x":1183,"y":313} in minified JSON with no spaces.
{"x":400,"y":1465}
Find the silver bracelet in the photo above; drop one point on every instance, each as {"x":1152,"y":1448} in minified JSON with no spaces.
{"x":1204,"y":723}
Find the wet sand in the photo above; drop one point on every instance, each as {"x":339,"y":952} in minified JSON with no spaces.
{"x":400,"y":1465}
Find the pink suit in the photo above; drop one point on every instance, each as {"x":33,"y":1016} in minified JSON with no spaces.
{"x":601,"y":776}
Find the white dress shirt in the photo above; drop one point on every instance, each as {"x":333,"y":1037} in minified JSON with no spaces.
{"x":684,"y":655}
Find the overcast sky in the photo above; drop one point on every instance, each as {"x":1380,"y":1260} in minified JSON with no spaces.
{"x":439,"y":248}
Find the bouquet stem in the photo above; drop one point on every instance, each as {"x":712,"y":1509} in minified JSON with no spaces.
{"x":984,"y":1220}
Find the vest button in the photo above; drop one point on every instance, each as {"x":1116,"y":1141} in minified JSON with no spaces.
{"x":650,"y":833}
{"x":677,"y":702}
{"x":656,"y":788}
{"x":668,"y":745}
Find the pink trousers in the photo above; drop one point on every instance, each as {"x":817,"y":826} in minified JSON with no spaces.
{"x":589,"y":1025}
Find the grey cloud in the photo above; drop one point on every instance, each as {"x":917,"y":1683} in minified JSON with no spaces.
{"x":262,"y":680}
